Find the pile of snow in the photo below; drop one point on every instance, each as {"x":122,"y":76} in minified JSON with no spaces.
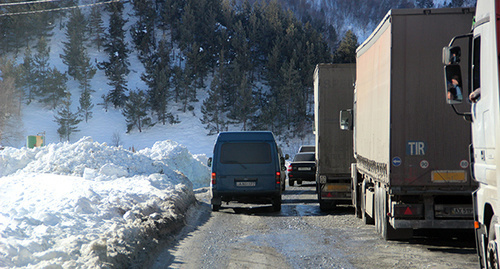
{"x":178,"y":156}
{"x":89,"y":205}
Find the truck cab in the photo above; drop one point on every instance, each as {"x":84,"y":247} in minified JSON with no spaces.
{"x":481,"y":70}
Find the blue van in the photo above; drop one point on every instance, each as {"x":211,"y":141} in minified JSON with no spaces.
{"x":246,"y":167}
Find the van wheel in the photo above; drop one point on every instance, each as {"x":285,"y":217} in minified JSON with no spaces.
{"x":291,"y":182}
{"x":277,"y":203}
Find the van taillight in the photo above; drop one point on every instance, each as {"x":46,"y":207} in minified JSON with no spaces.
{"x":213,"y":178}
{"x":278,"y":177}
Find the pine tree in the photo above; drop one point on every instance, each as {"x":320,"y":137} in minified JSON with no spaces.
{"x":456,"y":3}
{"x":116,"y":68}
{"x":54,"y":88}
{"x":41,"y":66}
{"x":86,"y":106}
{"x":212,"y":109}
{"x":27,"y":73}
{"x":96,"y":28}
{"x":196,"y":67}
{"x":425,"y":3}
{"x":187,"y":28}
{"x":75,"y":56}
{"x":143,"y":32}
{"x":346,"y":53}
{"x":67,"y":120}
{"x":135,"y":111}
{"x":157,"y":77}
{"x":244,"y":106}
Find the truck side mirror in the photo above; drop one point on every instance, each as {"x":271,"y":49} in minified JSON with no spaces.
{"x":451,"y":55}
{"x":346,"y":120}
{"x":453,"y":84}
{"x":209,"y":162}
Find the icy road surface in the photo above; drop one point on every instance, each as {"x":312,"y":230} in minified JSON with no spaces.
{"x":301,"y":236}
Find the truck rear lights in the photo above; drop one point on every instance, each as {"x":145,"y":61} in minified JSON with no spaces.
{"x":408,"y":211}
{"x":278,"y":177}
{"x":290,"y":168}
{"x":213,"y":178}
{"x":337,"y":195}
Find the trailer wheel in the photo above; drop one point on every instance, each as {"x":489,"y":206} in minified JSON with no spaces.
{"x":356,"y":196}
{"x":382,"y":220}
{"x":326,"y":206}
{"x":492,"y":252}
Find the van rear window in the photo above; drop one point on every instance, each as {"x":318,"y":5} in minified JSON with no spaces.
{"x":249,"y":153}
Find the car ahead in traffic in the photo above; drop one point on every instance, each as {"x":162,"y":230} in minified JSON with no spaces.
{"x":302,"y":168}
{"x":246,"y":167}
{"x":307,"y":148}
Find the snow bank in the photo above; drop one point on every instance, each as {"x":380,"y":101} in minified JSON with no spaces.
{"x":89,"y":205}
{"x":178,"y":156}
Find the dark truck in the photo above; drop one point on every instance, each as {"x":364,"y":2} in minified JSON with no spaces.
{"x":412,"y":164}
{"x":333,"y":92}
{"x":246,"y":167}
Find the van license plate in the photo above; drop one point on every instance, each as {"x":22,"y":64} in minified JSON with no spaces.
{"x":304,"y":169}
{"x":245,"y":183}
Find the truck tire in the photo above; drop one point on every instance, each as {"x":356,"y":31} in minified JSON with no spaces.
{"x":492,"y":252}
{"x":365,"y":217}
{"x":356,"y":197}
{"x":326,"y":206}
{"x":384,"y":228}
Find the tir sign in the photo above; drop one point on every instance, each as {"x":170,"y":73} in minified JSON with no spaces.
{"x":415,"y":148}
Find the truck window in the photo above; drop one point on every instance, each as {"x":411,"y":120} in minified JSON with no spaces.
{"x":476,"y":78}
{"x":245,"y":153}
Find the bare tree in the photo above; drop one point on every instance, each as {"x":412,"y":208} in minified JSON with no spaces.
{"x":9,"y":103}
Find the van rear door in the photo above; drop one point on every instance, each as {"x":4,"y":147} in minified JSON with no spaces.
{"x":247,"y":167}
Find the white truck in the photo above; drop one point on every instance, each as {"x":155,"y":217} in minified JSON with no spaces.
{"x":479,"y":59}
{"x":411,"y":169}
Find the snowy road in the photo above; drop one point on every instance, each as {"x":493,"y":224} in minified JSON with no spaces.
{"x":300,"y":236}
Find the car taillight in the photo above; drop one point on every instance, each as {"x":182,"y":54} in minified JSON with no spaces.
{"x":278,"y":177}
{"x":213,"y":178}
{"x":289,"y":168}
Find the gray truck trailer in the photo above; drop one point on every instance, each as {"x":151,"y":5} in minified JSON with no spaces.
{"x":412,"y":166}
{"x":333,"y":92}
